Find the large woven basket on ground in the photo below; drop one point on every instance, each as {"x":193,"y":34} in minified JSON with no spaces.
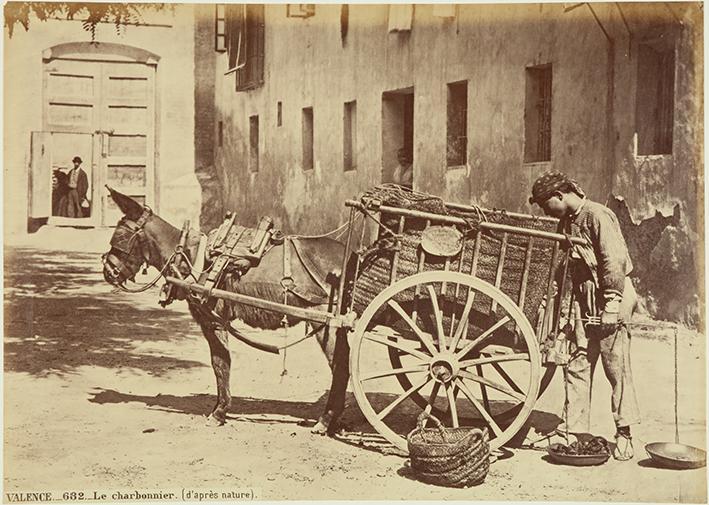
{"x":453,"y":457}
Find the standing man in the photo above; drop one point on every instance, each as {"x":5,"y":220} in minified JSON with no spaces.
{"x":603,"y":290}
{"x":404,"y":173}
{"x":78,"y":185}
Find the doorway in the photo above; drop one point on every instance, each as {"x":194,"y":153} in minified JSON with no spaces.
{"x":102,"y":112}
{"x":398,"y":136}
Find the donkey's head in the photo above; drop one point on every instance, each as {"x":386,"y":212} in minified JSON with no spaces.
{"x":129,"y":249}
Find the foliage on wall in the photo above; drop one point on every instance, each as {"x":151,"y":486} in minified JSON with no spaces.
{"x":90,"y":14}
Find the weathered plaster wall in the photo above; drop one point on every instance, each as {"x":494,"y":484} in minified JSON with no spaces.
{"x":307,"y":65}
{"x":206,"y":125}
{"x":168,"y":34}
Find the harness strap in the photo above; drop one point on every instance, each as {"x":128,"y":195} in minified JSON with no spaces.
{"x":287,"y":273}
{"x":198,"y":260}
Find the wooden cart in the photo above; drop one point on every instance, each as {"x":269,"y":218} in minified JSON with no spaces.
{"x":445,"y":308}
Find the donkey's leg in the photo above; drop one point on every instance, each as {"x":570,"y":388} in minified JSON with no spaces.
{"x":218,"y":340}
{"x":340,"y":375}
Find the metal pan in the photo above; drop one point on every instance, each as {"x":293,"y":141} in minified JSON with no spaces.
{"x":557,"y":456}
{"x":676,"y":456}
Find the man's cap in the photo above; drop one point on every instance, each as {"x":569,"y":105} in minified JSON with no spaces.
{"x":76,"y":160}
{"x":547,"y":184}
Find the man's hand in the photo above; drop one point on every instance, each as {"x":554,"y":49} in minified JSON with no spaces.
{"x":609,"y":318}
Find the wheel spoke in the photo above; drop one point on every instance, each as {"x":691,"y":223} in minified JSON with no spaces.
{"x":420,"y":367}
{"x":439,"y":317}
{"x":494,"y":385}
{"x":483,"y":390}
{"x":494,"y":359}
{"x":483,"y":336}
{"x":463,"y":323}
{"x":507,"y":378}
{"x":396,"y":345}
{"x":486,"y":415}
{"x":386,"y":411}
{"x":451,"y":403}
{"x":432,"y":398}
{"x":420,"y":334}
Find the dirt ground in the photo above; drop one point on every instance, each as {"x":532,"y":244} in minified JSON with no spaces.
{"x":107,"y":391}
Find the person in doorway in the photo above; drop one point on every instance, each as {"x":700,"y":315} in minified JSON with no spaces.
{"x":74,"y":201}
{"x":404,"y":173}
{"x":59,"y":190}
{"x":605,"y":295}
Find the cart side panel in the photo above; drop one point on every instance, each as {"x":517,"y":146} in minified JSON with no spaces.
{"x":522,"y":273}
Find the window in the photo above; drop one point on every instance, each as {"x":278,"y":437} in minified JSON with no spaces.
{"x":344,"y":22}
{"x":308,"y":163}
{"x":221,"y":133}
{"x":537,"y":115}
{"x":457,"y":126}
{"x":654,"y":100}
{"x":300,"y":10}
{"x":244,"y":36}
{"x":253,"y":143}
{"x":279,"y":118}
{"x":219,"y":20}
{"x":350,"y":136}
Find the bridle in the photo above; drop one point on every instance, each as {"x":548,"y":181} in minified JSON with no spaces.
{"x":128,"y":253}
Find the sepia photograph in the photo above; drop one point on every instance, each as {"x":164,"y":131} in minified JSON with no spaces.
{"x":354,"y":252}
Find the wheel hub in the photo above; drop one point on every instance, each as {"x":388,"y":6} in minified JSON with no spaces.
{"x":444,"y":368}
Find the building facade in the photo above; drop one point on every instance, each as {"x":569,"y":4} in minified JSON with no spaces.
{"x":484,"y":98}
{"x":123,"y":103}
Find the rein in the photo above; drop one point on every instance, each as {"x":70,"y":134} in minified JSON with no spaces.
{"x":152,"y":283}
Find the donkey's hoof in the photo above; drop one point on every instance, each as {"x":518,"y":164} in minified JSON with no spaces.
{"x":214,"y":422}
{"x":319,"y":429}
{"x":324,"y":424}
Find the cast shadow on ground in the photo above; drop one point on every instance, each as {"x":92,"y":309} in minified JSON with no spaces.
{"x":60,"y":314}
{"x":354,"y":429}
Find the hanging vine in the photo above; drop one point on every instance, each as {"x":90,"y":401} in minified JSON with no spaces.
{"x":90,"y":14}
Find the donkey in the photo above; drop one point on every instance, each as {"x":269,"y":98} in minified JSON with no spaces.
{"x":143,"y":238}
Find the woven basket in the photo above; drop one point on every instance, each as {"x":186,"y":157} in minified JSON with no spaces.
{"x":452,"y":457}
{"x":377,"y":263}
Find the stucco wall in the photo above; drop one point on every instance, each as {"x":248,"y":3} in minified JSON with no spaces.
{"x":170,"y":35}
{"x":592,"y":119}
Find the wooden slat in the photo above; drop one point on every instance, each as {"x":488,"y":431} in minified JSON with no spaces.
{"x":419,"y":268}
{"x":525,"y":273}
{"x":395,"y":259}
{"x":550,"y":290}
{"x":500,"y":267}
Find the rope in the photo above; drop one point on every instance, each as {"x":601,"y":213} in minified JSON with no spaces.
{"x":340,"y":229}
{"x":676,"y":392}
{"x":370,"y":216}
{"x":191,"y":265}
{"x":152,"y":283}
{"x":566,"y":403}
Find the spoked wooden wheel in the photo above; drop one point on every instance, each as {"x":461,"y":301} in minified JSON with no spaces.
{"x":462,"y":344}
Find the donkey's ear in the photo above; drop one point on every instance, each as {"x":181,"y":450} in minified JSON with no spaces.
{"x":132,"y":209}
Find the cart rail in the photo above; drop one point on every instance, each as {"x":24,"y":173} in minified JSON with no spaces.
{"x":460,"y":221}
{"x":317,"y":316}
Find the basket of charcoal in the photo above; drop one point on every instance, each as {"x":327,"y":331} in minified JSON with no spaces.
{"x":594,"y":451}
{"x":453,"y":457}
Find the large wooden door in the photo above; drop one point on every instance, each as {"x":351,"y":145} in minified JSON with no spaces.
{"x":127,"y":134}
{"x":103,"y":112}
